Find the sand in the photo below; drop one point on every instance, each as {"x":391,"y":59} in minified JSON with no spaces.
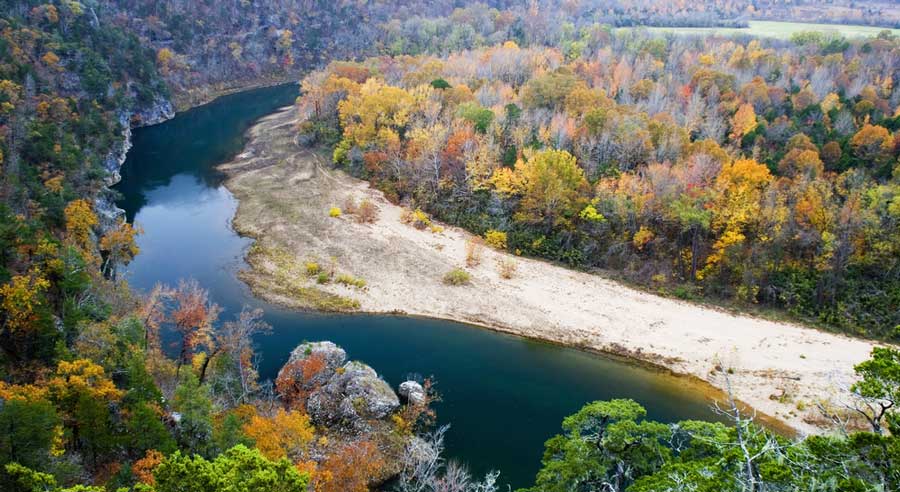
{"x":285,"y":193}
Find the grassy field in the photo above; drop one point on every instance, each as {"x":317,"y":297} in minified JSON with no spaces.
{"x":774,"y":29}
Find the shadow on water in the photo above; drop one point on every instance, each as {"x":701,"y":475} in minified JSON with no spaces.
{"x":504,"y":395}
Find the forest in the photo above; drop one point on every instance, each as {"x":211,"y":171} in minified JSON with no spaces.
{"x":734,"y":170}
{"x":751,"y":171}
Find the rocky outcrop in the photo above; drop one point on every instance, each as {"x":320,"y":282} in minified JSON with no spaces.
{"x":332,"y":357}
{"x":346,"y":395}
{"x":351,"y":398}
{"x":159,"y":111}
{"x":412,"y":392}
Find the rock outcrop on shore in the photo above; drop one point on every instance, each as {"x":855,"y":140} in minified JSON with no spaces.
{"x":347,"y":395}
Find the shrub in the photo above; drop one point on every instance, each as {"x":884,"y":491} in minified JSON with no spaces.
{"x":495,"y":239}
{"x":334,"y":212}
{"x":420,"y":220}
{"x":457,"y":276}
{"x":473,"y":252}
{"x":323,"y":278}
{"x":506,"y":268}
{"x":350,"y":206}
{"x":367,"y":212}
{"x":312,"y":268}
{"x":642,"y":237}
{"x":350,"y":281}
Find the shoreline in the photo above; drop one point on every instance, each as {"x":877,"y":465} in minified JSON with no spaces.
{"x":284,"y":194}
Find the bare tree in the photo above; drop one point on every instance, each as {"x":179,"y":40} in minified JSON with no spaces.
{"x":748,"y":436}
{"x":424,"y":469}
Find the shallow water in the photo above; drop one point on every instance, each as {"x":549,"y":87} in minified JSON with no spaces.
{"x":503,"y":395}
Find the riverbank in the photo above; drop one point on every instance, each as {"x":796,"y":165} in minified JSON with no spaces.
{"x":286,"y":194}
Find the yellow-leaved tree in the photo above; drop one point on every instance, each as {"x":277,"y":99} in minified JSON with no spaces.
{"x":736,"y":210}
{"x":550,"y":184}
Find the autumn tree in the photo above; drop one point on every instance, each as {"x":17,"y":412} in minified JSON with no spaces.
{"x":193,"y":316}
{"x":743,"y":122}
{"x":376,"y":114}
{"x":285,"y":434}
{"x":80,"y":222}
{"x":737,"y":210}
{"x":118,"y":247}
{"x":350,"y":468}
{"x":550,"y":184}
{"x":235,"y":339}
{"x":872,"y":145}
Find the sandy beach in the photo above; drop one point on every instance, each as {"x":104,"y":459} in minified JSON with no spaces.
{"x":780,"y":369}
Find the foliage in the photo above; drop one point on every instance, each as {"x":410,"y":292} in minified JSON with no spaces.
{"x":611,"y":444}
{"x":722,"y":176}
{"x":495,"y":239}
{"x":457,"y":276}
{"x":237,"y":470}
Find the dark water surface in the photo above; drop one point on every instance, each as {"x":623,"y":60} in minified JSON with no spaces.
{"x":503,"y":395}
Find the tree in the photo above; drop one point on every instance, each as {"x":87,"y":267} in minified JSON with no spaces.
{"x":27,"y":430}
{"x":604,"y":447}
{"x":166,"y":60}
{"x":80,"y":221}
{"x":194,"y":422}
{"x":424,"y":469}
{"x":736,"y":211}
{"x":350,"y":468}
{"x":550,"y":184}
{"x":286,"y":434}
{"x":376,"y":114}
{"x":879,"y":389}
{"x":237,"y":470}
{"x":84,"y":393}
{"x":550,"y":90}
{"x":153,"y":312}
{"x":872,"y":145}
{"x":193,"y":316}
{"x":743,"y":122}
{"x":22,"y":302}
{"x":695,"y":220}
{"x":147,"y":432}
{"x":235,"y":338}
{"x":118,"y":247}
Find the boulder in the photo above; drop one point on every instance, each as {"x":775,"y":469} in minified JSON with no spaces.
{"x":353,"y":396}
{"x":413,"y":392}
{"x":332,"y":356}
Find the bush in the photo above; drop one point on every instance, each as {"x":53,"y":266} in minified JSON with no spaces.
{"x":351,"y":281}
{"x":473,"y":252}
{"x":323,"y":278}
{"x":506,"y":268}
{"x":367,"y":212}
{"x":495,"y":239}
{"x":313,"y":268}
{"x":334,"y":212}
{"x":350,"y":206}
{"x":420,"y":220}
{"x":457,"y":276}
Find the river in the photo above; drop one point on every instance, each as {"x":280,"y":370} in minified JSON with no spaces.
{"x":503,"y":395}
